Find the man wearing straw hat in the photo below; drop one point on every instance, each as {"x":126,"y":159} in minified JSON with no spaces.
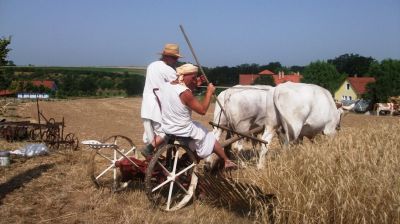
{"x":178,"y":103}
{"x":157,"y":73}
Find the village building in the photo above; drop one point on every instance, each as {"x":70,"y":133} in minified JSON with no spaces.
{"x":48,"y":84}
{"x":248,"y":79}
{"x":6,"y":93}
{"x":353,"y":88}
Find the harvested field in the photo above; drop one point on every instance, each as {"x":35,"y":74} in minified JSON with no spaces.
{"x":352,"y":178}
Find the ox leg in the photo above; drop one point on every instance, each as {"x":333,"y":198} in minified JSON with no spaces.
{"x":282,"y":138}
{"x":237,"y":148}
{"x":238,"y":145}
{"x":267,"y":136}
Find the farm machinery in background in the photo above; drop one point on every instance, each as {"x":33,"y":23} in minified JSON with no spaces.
{"x":48,"y":131}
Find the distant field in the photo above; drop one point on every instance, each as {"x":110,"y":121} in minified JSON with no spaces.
{"x":130,"y":70}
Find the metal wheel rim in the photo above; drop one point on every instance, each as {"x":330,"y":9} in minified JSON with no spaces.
{"x":102,"y":169}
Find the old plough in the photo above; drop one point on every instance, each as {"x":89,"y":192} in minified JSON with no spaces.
{"x":46,"y":130}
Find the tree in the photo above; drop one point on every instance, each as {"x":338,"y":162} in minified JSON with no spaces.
{"x":264,"y":80}
{"x":248,"y":68}
{"x":223,"y":76}
{"x":297,"y":68}
{"x":133,"y":85}
{"x":4,"y":42}
{"x":352,"y":64}
{"x":87,"y":85}
{"x":323,"y":74}
{"x":6,"y":76}
{"x":274,"y":67}
{"x":387,"y":75}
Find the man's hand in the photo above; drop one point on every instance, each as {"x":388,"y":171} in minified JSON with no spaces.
{"x":200,"y":80}
{"x":210,"y":88}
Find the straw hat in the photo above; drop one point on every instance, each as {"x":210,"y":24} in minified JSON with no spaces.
{"x":171,"y":50}
{"x":186,"y":69}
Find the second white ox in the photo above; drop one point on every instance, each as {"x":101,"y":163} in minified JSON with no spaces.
{"x":297,"y":109}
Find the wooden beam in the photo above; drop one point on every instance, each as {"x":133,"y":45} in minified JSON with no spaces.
{"x":240,"y":135}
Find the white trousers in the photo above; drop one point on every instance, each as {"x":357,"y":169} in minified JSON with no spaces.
{"x":151,"y":128}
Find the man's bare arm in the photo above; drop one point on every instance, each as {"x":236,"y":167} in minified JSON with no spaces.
{"x":189,"y":100}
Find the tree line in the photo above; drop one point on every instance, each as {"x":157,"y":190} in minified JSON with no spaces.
{"x":329,"y":74}
{"x":72,"y":83}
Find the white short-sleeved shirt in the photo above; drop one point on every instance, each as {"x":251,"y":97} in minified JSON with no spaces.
{"x":157,"y":74}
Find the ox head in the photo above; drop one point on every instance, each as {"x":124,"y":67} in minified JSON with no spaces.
{"x":341,"y":113}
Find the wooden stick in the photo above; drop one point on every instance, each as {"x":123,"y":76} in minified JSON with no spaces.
{"x":202,"y":71}
{"x":243,"y":134}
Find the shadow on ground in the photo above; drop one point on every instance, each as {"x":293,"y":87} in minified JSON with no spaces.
{"x":21,"y":179}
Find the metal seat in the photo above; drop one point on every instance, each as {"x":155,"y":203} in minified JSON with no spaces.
{"x":171,"y":139}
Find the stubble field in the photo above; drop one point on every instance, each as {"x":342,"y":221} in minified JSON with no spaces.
{"x":351,"y":178}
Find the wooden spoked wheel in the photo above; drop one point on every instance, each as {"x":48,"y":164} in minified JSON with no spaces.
{"x":124,"y":143}
{"x":170,"y":177}
{"x":101,"y":167}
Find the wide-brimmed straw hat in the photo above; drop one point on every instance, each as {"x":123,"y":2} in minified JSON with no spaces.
{"x":171,"y":50}
{"x":186,"y":69}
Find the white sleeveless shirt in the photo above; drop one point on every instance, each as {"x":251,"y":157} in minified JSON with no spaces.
{"x":177,"y":117}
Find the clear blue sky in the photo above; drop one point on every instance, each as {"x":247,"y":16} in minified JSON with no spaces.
{"x":231,"y":32}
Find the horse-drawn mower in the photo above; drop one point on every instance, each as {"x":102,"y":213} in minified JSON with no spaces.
{"x":173,"y":176}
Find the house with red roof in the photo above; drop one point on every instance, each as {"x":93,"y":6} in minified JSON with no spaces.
{"x":281,"y":77}
{"x":266,"y":72}
{"x":6,"y":93}
{"x":248,"y":79}
{"x":46,"y":83}
{"x":353,"y":88}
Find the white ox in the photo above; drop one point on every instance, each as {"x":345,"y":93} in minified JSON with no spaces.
{"x":306,"y":110}
{"x":255,"y":100}
{"x":298,"y":109}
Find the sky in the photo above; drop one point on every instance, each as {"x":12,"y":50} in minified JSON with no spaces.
{"x":222,"y":33}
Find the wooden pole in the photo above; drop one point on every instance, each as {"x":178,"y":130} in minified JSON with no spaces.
{"x":243,"y":134}
{"x":202,"y":72}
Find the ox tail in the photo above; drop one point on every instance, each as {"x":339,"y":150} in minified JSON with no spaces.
{"x":287,"y":129}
